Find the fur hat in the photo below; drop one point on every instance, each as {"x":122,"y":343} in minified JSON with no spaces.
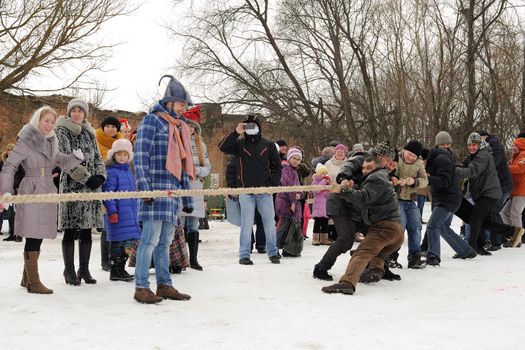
{"x":443,"y":137}
{"x":294,"y":152}
{"x":414,"y":147}
{"x":121,"y":145}
{"x":341,"y":147}
{"x":111,"y":121}
{"x":78,"y":102}
{"x":175,"y":91}
{"x":193,"y":114}
{"x":385,"y":150}
{"x":320,"y":169}
{"x":474,"y":138}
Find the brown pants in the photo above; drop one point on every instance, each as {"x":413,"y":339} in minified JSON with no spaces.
{"x":382,"y":239}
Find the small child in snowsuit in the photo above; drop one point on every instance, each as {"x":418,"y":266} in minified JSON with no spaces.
{"x":320,"y":234}
{"x":121,"y":217}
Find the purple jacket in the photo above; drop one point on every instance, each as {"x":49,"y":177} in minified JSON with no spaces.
{"x":320,"y":197}
{"x":283,"y":201}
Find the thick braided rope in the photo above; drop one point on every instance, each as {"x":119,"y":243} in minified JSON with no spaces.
{"x":73,"y":197}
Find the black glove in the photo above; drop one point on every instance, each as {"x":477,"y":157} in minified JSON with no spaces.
{"x":148,"y":200}
{"x":187,"y":210}
{"x":95,"y":181}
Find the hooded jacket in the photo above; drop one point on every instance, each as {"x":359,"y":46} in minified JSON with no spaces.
{"x":517,"y":168}
{"x":442,"y":179}
{"x":259,"y":162}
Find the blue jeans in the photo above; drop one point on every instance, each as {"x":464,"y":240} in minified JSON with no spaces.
{"x":411,"y":221}
{"x":264,"y":203}
{"x":421,"y":203}
{"x":439,"y":225}
{"x":155,"y":241}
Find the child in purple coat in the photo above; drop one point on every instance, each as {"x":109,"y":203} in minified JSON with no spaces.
{"x":320,"y":234}
{"x":288,"y":204}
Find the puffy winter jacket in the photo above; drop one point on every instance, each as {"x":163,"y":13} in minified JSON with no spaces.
{"x":120,"y":179}
{"x":442,"y":180}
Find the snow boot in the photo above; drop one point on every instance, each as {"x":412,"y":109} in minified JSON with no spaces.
{"x":84,"y":252}
{"x":390,"y":276}
{"x":415,"y":262}
{"x":372,"y":275}
{"x":321,"y":274}
{"x":193,"y":247}
{"x":68,"y":253}
{"x":316,"y":239}
{"x":324,"y":240}
{"x":33,"y":279}
{"x":117,"y":271}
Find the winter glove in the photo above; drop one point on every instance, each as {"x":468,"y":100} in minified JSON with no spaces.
{"x":113,"y":218}
{"x":187,"y":210}
{"x":148,"y":200}
{"x":78,"y":153}
{"x":95,"y":181}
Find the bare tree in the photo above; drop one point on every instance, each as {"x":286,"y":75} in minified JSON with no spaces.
{"x":40,"y":35}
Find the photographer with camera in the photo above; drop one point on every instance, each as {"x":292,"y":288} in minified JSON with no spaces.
{"x":259,"y":166}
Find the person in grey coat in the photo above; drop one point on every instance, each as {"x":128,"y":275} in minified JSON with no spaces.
{"x":37,"y":151}
{"x":485,"y":188}
{"x":202,"y":169}
{"x":78,"y":218}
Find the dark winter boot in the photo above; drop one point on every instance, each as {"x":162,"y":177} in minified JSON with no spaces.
{"x":390,"y":276}
{"x":372,"y":275}
{"x":193,"y":247}
{"x":117,"y":271}
{"x":415,"y":262}
{"x":321,"y":273}
{"x":84,"y":253}
{"x":104,"y":252}
{"x":68,"y":253}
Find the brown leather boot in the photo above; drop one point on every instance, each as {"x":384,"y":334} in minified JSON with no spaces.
{"x":316,"y":239}
{"x":325,"y":240}
{"x":33,"y":279}
{"x":146,"y":296}
{"x":168,"y":292}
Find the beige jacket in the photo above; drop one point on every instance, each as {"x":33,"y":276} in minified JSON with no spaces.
{"x":416,"y":171}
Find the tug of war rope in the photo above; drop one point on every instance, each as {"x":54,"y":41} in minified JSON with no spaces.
{"x":90,"y":196}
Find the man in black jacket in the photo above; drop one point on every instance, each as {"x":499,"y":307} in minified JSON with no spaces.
{"x":259,"y":166}
{"x":378,"y":206}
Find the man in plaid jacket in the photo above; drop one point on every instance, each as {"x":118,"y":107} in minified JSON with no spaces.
{"x":163,"y":161}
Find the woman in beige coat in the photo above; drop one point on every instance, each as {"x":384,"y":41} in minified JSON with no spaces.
{"x":37,"y":151}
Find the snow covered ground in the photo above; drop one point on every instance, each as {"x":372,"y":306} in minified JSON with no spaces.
{"x":474,"y":304}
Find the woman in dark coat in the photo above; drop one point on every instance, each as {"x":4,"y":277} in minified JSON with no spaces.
{"x":78,"y":218}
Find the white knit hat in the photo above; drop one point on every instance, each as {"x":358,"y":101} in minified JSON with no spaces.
{"x":121,"y":145}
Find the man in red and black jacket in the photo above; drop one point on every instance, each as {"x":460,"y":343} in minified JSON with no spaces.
{"x":259,"y":166}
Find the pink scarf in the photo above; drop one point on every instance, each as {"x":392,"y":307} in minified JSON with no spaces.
{"x":179,"y":155}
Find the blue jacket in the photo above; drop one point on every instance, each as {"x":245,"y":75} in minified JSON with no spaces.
{"x":120,"y":179}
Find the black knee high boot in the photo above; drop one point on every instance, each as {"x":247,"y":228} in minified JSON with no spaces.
{"x":104,"y":251}
{"x":68,"y":253}
{"x":84,"y":249}
{"x":193,"y":245}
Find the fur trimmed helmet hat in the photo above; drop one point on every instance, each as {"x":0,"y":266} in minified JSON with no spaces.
{"x":175,"y":91}
{"x":80,"y":103}
{"x":442,"y":138}
{"x":294,"y":152}
{"x":385,"y":150}
{"x":474,"y":138}
{"x":414,"y":147}
{"x":121,"y":145}
{"x":111,"y":121}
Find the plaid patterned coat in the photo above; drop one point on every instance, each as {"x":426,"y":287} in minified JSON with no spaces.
{"x":151,"y":147}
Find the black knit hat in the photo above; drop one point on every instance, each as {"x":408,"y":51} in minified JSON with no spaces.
{"x":281,"y":143}
{"x":424,"y":153}
{"x":414,"y":147}
{"x":483,"y":133}
{"x":111,"y":121}
{"x":521,"y":135}
{"x":334,"y":143}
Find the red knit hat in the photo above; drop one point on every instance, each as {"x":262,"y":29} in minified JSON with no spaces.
{"x":194,"y":114}
{"x":124,"y":123}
